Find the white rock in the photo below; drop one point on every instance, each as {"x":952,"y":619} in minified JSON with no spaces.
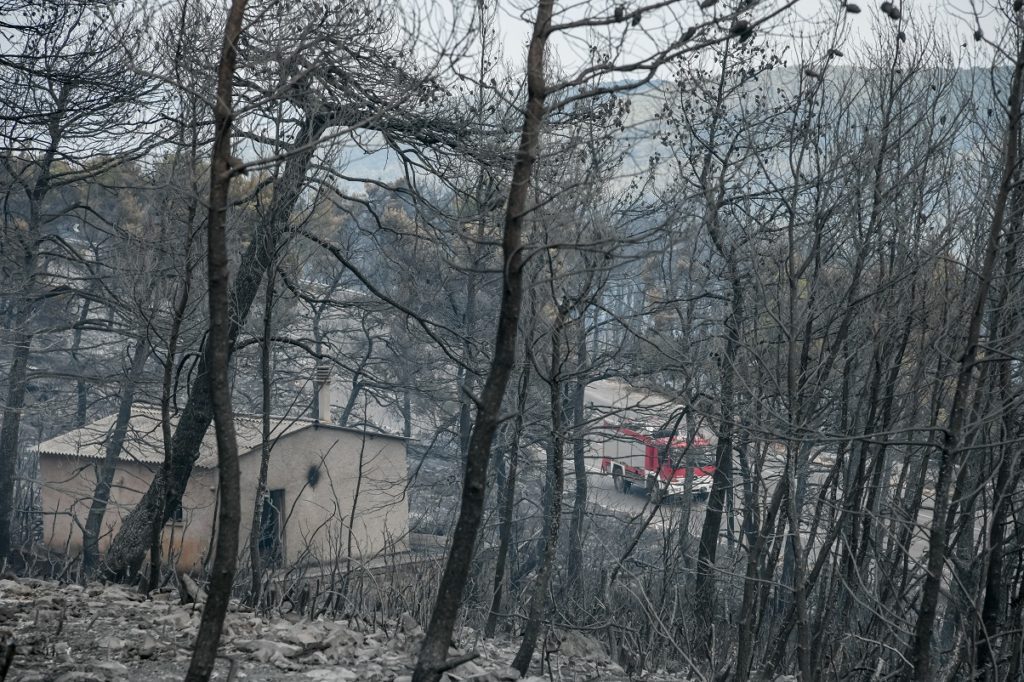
{"x":115,"y":592}
{"x":112,"y":667}
{"x":576,"y":645}
{"x":13,"y":588}
{"x":332,"y":675}
{"x":505,"y":674}
{"x":176,"y":619}
{"x":302,"y":636}
{"x":409,"y":624}
{"x":111,"y":643}
{"x":62,"y":652}
{"x":467,"y":671}
{"x":266,"y":649}
{"x":79,"y":676}
{"x":147,"y":647}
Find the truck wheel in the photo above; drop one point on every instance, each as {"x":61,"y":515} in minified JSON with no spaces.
{"x":621,"y":484}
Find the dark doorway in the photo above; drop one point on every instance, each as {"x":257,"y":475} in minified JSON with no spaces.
{"x":272,"y":529}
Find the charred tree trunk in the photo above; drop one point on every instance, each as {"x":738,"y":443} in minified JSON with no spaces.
{"x":465,"y":370}
{"x":27,"y":251}
{"x":255,"y":532}
{"x":574,"y":567}
{"x":81,"y":388}
{"x":218,"y":353}
{"x":9,"y":433}
{"x":506,"y":504}
{"x":552,"y":503}
{"x":111,"y":455}
{"x":431,"y":660}
{"x":722,"y":480}
{"x":156,"y":529}
{"x":754,"y":588}
{"x":1009,"y":470}
{"x":357,"y":384}
{"x":164,"y":493}
{"x":407,"y":413}
{"x":919,"y":664}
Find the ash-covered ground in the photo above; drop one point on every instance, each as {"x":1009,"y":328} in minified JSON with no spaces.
{"x":107,"y":633}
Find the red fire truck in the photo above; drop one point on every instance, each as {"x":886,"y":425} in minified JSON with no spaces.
{"x":636,"y":455}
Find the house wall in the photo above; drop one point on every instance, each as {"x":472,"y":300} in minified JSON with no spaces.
{"x":67,"y":484}
{"x":317,"y":517}
{"x":368,"y":470}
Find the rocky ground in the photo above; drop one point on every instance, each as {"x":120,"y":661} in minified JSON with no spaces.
{"x":101,"y":633}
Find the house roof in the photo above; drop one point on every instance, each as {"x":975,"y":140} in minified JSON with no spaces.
{"x":144,"y":439}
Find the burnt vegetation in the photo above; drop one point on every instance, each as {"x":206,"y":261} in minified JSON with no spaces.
{"x":696,"y":329}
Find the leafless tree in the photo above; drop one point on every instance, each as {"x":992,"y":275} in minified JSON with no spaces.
{"x":71,"y":110}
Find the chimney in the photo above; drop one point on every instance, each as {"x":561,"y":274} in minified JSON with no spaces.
{"x":322,"y":381}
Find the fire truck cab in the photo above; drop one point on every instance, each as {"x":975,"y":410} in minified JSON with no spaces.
{"x":660,"y":462}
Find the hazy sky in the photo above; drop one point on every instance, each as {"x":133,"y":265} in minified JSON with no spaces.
{"x":953,"y":19}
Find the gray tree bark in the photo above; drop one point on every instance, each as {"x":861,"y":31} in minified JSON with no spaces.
{"x":506,"y":503}
{"x":255,"y":531}
{"x":431,"y":661}
{"x":218,"y":353}
{"x":554,"y":477}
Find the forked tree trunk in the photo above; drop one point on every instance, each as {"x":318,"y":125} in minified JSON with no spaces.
{"x":218,"y":352}
{"x":156,"y":529}
{"x":164,"y":493}
{"x":111,"y":455}
{"x":431,"y":661}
